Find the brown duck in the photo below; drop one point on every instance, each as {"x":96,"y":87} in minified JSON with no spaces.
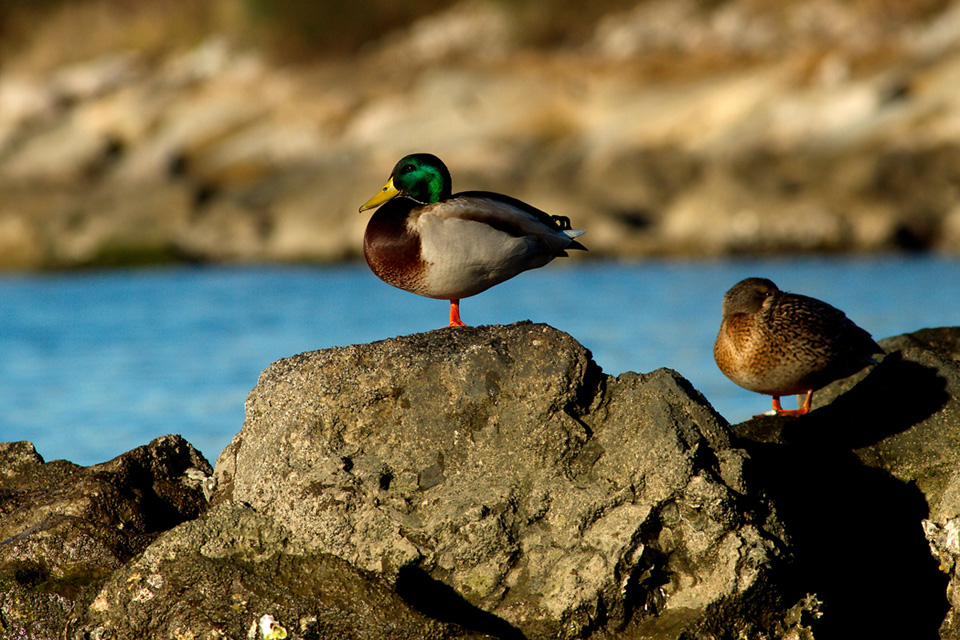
{"x":778,"y":343}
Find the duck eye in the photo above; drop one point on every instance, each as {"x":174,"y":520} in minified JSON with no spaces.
{"x":407,"y":168}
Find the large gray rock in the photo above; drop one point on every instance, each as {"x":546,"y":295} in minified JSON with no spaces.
{"x":64,"y":528}
{"x":874,"y":470}
{"x":497,"y":478}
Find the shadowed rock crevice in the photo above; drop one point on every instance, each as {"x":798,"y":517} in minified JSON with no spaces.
{"x":855,"y":480}
{"x":440,"y":602}
{"x":856,"y":537}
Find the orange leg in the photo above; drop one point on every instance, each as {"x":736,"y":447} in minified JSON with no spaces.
{"x":793,"y":412}
{"x":455,"y":320}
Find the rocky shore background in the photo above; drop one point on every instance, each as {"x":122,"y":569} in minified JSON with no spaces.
{"x":138,"y":132}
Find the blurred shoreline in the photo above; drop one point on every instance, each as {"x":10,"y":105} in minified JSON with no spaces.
{"x":664,"y":129}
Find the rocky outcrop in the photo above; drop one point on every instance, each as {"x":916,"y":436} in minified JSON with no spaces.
{"x":500,"y":480}
{"x":675,"y":127}
{"x":65,"y":528}
{"x":493,"y":482}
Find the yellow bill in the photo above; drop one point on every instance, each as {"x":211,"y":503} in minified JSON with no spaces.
{"x":382,"y":196}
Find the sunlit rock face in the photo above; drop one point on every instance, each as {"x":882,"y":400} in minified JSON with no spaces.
{"x":501,"y":464}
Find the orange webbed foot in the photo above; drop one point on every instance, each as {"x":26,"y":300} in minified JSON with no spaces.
{"x":780,"y":411}
{"x":455,"y":320}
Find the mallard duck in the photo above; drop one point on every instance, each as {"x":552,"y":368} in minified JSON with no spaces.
{"x":426,"y":241}
{"x":779,"y":343}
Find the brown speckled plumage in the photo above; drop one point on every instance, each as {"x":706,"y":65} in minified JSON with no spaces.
{"x":779,"y":343}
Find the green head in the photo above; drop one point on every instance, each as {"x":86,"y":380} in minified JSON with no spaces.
{"x":420,"y":176}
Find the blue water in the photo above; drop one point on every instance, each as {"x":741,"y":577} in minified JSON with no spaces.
{"x":94,"y":364}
